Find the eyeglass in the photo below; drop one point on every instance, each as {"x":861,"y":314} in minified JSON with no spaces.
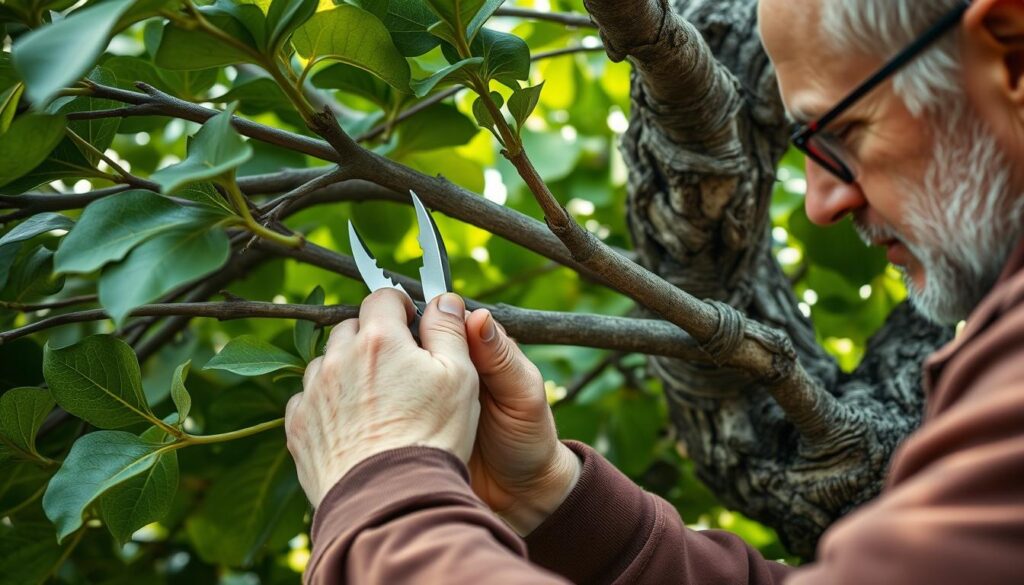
{"x":827,"y":149}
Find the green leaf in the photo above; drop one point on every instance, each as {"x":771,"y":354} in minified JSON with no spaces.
{"x":355,"y":81}
{"x":161,"y":264}
{"x":31,"y":277}
{"x":206,"y":195}
{"x":506,"y":56}
{"x":257,"y":96}
{"x":251,"y":14}
{"x":98,"y":380}
{"x":250,"y":356}
{"x":187,"y":50}
{"x":26,"y":144}
{"x":180,"y":396}
{"x":284,"y":16}
{"x":354,"y":36}
{"x":407,"y":21}
{"x":28,"y":553}
{"x":22,"y":411}
{"x":307,"y":334}
{"x":450,"y":75}
{"x":35,"y":225}
{"x":97,"y":462}
{"x":439,"y":126}
{"x":486,"y":11}
{"x":248,"y":506}
{"x":214,"y":150}
{"x":55,"y":55}
{"x":145,"y":498}
{"x":523,"y":102}
{"x":483,"y":114}
{"x":464,"y":17}
{"x":110,"y":227}
{"x":9,"y":105}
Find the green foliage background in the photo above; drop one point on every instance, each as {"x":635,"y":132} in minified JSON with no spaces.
{"x":232,"y":511}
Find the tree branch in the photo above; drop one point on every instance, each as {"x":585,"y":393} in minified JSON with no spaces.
{"x":679,"y":72}
{"x":566,"y":18}
{"x":528,"y":327}
{"x":160,"y":103}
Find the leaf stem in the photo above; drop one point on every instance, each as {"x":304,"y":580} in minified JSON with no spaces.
{"x":508,"y":137}
{"x":242,"y":206}
{"x":67,"y":552}
{"x":239,"y":434}
{"x":22,"y":505}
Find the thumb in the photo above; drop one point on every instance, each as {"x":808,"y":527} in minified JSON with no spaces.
{"x":443,"y":327}
{"x":509,"y":375}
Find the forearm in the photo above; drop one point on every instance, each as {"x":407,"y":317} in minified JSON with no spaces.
{"x":609,"y":530}
{"x":408,"y":515}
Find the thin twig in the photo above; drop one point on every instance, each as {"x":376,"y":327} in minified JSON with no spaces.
{"x":60,"y":304}
{"x":566,"y":18}
{"x":578,"y":385}
{"x":279,"y":206}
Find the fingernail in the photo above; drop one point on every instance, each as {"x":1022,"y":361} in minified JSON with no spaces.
{"x":452,"y":304}
{"x":488,"y":332}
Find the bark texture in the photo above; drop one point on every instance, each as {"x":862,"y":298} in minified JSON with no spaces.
{"x":706,"y":134}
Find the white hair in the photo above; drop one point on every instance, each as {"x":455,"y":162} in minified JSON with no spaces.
{"x":884,"y":27}
{"x":965,"y":219}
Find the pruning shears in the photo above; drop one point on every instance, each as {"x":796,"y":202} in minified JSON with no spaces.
{"x":435,"y":275}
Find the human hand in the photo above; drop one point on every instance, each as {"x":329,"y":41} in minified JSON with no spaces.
{"x":518,"y":468}
{"x":375,"y":389}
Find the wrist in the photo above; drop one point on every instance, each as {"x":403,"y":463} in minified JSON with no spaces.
{"x":551,"y":487}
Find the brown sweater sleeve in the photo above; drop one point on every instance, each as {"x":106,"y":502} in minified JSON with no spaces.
{"x":409,"y":516}
{"x":609,"y":530}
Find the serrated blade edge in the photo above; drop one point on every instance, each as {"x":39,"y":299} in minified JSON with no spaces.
{"x":373,"y":275}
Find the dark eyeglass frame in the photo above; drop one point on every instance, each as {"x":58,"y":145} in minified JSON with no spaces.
{"x":804,"y":134}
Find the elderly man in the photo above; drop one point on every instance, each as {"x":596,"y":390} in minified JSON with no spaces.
{"x":412,"y":455}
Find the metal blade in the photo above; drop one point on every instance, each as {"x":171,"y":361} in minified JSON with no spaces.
{"x":372,"y":274}
{"x":436,"y":274}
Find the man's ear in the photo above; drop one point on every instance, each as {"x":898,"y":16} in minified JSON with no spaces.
{"x":994,"y":51}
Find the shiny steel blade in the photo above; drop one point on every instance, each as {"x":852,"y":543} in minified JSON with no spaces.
{"x":435,"y":274}
{"x":372,"y":274}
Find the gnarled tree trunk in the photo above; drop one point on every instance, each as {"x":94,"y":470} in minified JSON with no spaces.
{"x":707,"y":131}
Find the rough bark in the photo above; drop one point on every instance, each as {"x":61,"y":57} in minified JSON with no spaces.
{"x":706,"y":134}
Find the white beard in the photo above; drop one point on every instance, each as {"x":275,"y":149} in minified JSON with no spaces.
{"x":964,"y":221}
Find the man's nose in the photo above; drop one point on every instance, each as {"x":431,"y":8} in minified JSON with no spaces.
{"x":829,"y":199}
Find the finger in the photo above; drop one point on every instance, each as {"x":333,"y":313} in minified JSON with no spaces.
{"x":342,"y":334}
{"x":292,"y":423}
{"x":443,"y":327}
{"x":311,"y":371}
{"x":388,"y":312}
{"x":503,"y":367}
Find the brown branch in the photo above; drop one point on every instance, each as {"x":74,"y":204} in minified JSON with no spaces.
{"x":528,"y":327}
{"x":59,"y":304}
{"x":720,"y":330}
{"x":578,"y":385}
{"x":160,"y":103}
{"x":30,"y":204}
{"x":566,"y":18}
{"x":679,"y":72}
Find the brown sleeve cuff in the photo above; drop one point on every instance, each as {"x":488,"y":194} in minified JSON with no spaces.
{"x":383,"y":486}
{"x":599,"y":529}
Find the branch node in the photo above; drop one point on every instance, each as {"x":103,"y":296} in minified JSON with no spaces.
{"x":729,"y":334}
